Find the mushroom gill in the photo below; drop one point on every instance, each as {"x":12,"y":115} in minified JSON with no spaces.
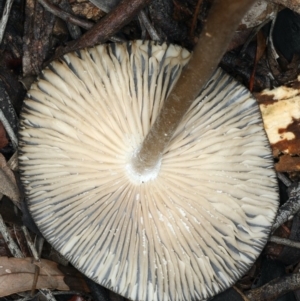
{"x":187,"y":229}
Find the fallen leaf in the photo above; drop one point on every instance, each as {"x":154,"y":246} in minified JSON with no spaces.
{"x":17,"y":275}
{"x":8,"y":184}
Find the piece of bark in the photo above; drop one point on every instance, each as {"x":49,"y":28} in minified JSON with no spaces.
{"x":261,"y":11}
{"x":291,"y":4}
{"x":37,"y":37}
{"x":16,"y":275}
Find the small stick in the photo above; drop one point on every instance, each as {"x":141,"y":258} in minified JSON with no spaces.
{"x":121,"y":15}
{"x":143,"y":18}
{"x":275,"y":288}
{"x":39,"y":242}
{"x":271,"y":43}
{"x":30,"y":244}
{"x":35,"y":280}
{"x":288,"y":209}
{"x":284,"y":179}
{"x":74,"y":30}
{"x":223,"y":19}
{"x":14,"y":249}
{"x":195,"y":17}
{"x":48,"y":294}
{"x":35,"y":255}
{"x":284,"y":241}
{"x":58,"y":12}
{"x":25,"y":298}
{"x":4,"y":19}
{"x":9,"y":130}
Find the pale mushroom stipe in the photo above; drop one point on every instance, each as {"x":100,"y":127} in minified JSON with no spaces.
{"x":189,"y":228}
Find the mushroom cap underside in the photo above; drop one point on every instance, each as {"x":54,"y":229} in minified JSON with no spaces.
{"x":188,"y":231}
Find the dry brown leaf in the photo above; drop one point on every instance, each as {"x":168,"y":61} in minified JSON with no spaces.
{"x":17,"y":275}
{"x":8,"y":184}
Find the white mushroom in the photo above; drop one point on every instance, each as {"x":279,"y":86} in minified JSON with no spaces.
{"x":186,"y":230}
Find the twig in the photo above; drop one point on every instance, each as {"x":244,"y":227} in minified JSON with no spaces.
{"x":35,"y":256}
{"x":17,"y":240}
{"x":4,"y":19}
{"x":121,"y":15}
{"x":143,"y":29}
{"x":13,"y":163}
{"x":25,"y":298}
{"x":195,"y":17}
{"x":39,"y":244}
{"x":285,"y":180}
{"x":56,"y":11}
{"x":35,"y":280}
{"x":284,"y":241}
{"x":271,"y":43}
{"x":9,"y":130}
{"x":70,"y":18}
{"x":30,"y":244}
{"x":14,"y":249}
{"x":151,"y":30}
{"x":289,"y":208}
{"x":74,"y":30}
{"x":275,"y":288}
{"x":48,"y":294}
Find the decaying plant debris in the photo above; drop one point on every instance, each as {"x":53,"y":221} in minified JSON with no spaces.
{"x":34,"y":32}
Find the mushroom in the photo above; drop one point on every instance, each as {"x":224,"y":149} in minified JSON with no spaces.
{"x":187,"y":228}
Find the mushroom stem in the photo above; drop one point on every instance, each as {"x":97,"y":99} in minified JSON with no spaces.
{"x":223,"y":19}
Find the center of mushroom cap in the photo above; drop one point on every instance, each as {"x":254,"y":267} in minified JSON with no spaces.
{"x":142,"y":173}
